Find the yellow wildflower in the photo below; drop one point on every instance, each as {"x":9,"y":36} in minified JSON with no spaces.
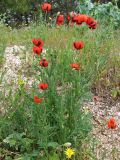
{"x":69,"y":152}
{"x":21,"y":82}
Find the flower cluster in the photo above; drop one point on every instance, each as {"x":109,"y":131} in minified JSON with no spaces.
{"x":77,"y":19}
{"x":37,"y":49}
{"x":78,"y":45}
{"x":72,"y":18}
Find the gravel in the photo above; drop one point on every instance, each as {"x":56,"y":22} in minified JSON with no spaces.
{"x":107,"y":140}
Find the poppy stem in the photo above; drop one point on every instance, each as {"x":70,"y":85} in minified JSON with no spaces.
{"x":46,"y":17}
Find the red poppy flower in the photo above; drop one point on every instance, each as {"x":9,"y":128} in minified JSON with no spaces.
{"x":43,"y":86}
{"x":38,"y":42}
{"x":78,"y":20}
{"x":43,"y":63}
{"x":46,"y":7}
{"x":112,"y":124}
{"x":93,"y":25}
{"x":37,"y":50}
{"x":78,"y":45}
{"x":90,"y":20}
{"x":74,"y":18}
{"x":60,"y":19}
{"x":75,"y":66}
{"x":81,"y":18}
{"x":68,"y":17}
{"x":37,"y":99}
{"x":84,"y":17}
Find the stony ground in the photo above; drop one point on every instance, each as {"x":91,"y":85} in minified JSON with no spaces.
{"x":107,"y":141}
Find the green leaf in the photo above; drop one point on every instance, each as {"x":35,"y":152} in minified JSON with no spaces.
{"x":54,"y":156}
{"x":53,"y":145}
{"x":114,"y":93}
